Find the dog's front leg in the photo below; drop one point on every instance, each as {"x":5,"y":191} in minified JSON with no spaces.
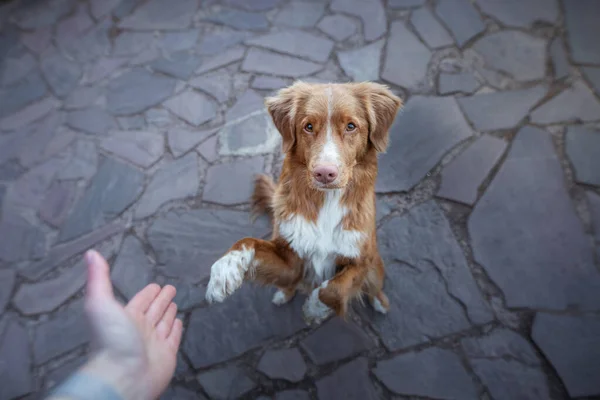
{"x":266,"y":261}
{"x":333,"y":295}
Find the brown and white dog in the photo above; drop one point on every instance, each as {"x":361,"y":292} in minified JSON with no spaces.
{"x":323,"y":207}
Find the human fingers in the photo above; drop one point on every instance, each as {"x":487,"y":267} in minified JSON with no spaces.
{"x":160,"y":304}
{"x":98,"y":283}
{"x":143,"y":299}
{"x":166,"y":323}
{"x":174,"y":338}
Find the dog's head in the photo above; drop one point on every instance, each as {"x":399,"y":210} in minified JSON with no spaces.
{"x":330,"y":128}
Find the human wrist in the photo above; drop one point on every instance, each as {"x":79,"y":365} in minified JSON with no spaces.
{"x":126,"y":377}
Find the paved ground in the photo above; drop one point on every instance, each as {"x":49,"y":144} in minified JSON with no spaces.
{"x":135,"y":126}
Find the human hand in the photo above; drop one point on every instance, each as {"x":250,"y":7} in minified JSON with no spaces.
{"x":138,"y":343}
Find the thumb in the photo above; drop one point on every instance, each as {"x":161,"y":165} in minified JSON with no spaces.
{"x":99,"y":286}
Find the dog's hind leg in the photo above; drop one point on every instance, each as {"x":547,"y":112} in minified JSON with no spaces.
{"x":374,"y":287}
{"x":270,"y":262}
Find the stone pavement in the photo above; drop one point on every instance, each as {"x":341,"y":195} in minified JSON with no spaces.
{"x":135,"y":126}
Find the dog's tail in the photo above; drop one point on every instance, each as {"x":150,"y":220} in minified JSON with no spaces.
{"x":262,"y":198}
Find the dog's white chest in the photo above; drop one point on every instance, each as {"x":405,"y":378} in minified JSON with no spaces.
{"x":321,"y":241}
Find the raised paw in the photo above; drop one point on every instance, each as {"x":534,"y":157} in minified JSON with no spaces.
{"x":380,"y":303}
{"x":315,"y":311}
{"x":227,"y":274}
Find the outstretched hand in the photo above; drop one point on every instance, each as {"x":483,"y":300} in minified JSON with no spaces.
{"x":138,"y":342}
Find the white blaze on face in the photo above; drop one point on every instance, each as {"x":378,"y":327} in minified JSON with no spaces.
{"x":329,"y":153}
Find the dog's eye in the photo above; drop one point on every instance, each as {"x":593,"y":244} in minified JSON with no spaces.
{"x":350,"y":127}
{"x":308,"y":128}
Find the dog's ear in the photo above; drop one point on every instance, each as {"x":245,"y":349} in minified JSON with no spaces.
{"x":282,"y":108}
{"x":381,"y":106}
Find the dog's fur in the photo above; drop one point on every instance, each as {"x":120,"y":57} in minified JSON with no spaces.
{"x":324,"y":234}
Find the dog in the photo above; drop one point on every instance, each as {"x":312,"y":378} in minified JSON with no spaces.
{"x":323,"y":207}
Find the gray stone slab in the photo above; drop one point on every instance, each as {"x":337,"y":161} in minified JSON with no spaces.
{"x":114,"y":188}
{"x":92,"y":45}
{"x":7,"y":281}
{"x":582,"y":30}
{"x":421,"y":135}
{"x":256,"y":5}
{"x":132,"y":270}
{"x":300,"y":14}
{"x":62,"y":252}
{"x":37,"y":41}
{"x":92,"y":120}
{"x":350,"y":381}
{"x":178,"y":179}
{"x":427,"y":274}
{"x":268,"y":83}
{"x":21,"y":240}
{"x":362,"y":64}
{"x":46,"y":296}
{"x":142,"y":148}
{"x":61,"y":74}
{"x":240,"y":19}
{"x":10,"y":171}
{"x":560,"y":62}
{"x":572,"y":345}
{"x":102,"y":68}
{"x":29,"y":190}
{"x":22,"y":93}
{"x":180,"y":393}
{"x":371,"y":13}
{"x":38,"y":140}
{"x":573,"y":104}
{"x":66,"y":331}
{"x":232,"y":182}
{"x":218,"y":84}
{"x":521,"y":14}
{"x":227,"y":57}
{"x":529,"y":224}
{"x":57,"y":202}
{"x":338,"y":27}
{"x":266,"y":62}
{"x":101,"y":8}
{"x":432,"y":373}
{"x":218,"y":41}
{"x":179,"y":65}
{"x":192,"y":106}
{"x":183,"y":140}
{"x":16,"y":66}
{"x":161,"y":15}
{"x":500,"y":110}
{"x":172,"y":42}
{"x":244,"y":321}
{"x":189,"y":296}
{"x":81,"y":162}
{"x":293,"y":394}
{"x":247,"y":103}
{"x":430,"y":29}
{"x":134,"y":122}
{"x":293,"y":42}
{"x":406,"y":57}
{"x":39,"y":15}
{"x":384,"y":207}
{"x":29,"y":114}
{"x":137,"y":91}
{"x":82,"y":97}
{"x":501,"y":343}
{"x":186,"y":244}
{"x":248,"y":135}
{"x":335,"y":340}
{"x":594,"y":204}
{"x":226,"y":383}
{"x":593,"y":76}
{"x":463,"y":176}
{"x":15,"y":369}
{"x":583,"y":146}
{"x":285,"y":364}
{"x":508,"y":379}
{"x":405,"y":3}
{"x":65,"y":370}
{"x":463,"y":82}
{"x":461,"y":18}
{"x":517,"y":53}
{"x":209,"y":149}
